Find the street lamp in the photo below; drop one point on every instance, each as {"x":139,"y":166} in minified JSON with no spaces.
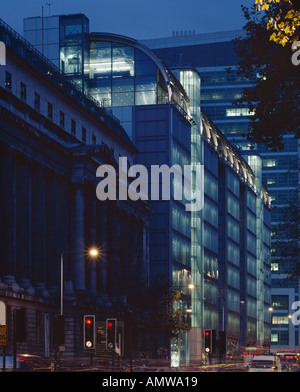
{"x":93,"y":252}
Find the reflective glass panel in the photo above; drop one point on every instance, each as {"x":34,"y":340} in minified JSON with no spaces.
{"x":122,"y":84}
{"x":71,"y":59}
{"x":145,"y":97}
{"x":145,"y":83}
{"x":145,"y":67}
{"x":123,"y":99}
{"x":123,"y":61}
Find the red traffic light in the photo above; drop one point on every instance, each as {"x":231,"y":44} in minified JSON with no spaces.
{"x":111,"y":326}
{"x":207,"y":333}
{"x":89,"y":331}
{"x":88,"y":321}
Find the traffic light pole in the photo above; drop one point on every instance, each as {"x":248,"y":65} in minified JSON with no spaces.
{"x":62,"y":280}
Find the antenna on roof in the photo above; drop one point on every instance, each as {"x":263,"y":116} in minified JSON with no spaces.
{"x":49,"y":5}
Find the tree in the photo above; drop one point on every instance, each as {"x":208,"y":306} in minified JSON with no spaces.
{"x":273,"y":100}
{"x":285,"y":22}
{"x":161,"y":308}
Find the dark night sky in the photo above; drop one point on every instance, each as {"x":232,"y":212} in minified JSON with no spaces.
{"x":138,"y":19}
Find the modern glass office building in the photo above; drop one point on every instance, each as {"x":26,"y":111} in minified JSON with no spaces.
{"x":215,"y":248}
{"x":212,"y":54}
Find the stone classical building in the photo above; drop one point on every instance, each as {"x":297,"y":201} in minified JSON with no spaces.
{"x":52,"y":139}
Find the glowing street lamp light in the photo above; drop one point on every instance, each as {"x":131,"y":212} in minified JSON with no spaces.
{"x":93,"y":252}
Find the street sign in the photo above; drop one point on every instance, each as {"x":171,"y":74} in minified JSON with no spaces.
{"x":3,"y":335}
{"x":2,"y":313}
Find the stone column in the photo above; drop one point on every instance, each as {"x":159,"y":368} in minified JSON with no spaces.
{"x":23,"y":220}
{"x":92,"y":240}
{"x":134,"y":251}
{"x":101,"y":207}
{"x":65,"y":237}
{"x":52,"y":253}
{"x":8,"y":214}
{"x":116,"y":277}
{"x":113,"y":248}
{"x":144,"y":256}
{"x":78,"y":236}
{"x":38,"y":225}
{"x":124,"y":253}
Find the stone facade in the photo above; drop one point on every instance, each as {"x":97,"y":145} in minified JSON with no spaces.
{"x":49,"y":206}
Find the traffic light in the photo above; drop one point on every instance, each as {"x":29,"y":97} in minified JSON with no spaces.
{"x":58,"y":330}
{"x":111,"y":326}
{"x":210,"y":341}
{"x":89,"y":331}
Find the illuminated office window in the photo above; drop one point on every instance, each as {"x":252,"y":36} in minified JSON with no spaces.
{"x":239,"y":112}
{"x":269,"y":162}
{"x":274,"y":266}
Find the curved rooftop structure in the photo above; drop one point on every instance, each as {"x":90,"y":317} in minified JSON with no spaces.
{"x":124,"y":72}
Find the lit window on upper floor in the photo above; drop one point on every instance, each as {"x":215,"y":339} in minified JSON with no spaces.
{"x":269,"y":162}
{"x":274,"y":266}
{"x":280,"y":319}
{"x":261,"y":77}
{"x":238,"y":112}
{"x":270,"y":181}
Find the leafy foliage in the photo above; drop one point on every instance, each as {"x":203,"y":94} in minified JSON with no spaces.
{"x":285,"y":21}
{"x":274,"y":98}
{"x":161,"y":310}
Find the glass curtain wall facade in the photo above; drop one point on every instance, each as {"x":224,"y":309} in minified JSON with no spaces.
{"x":122,"y":75}
{"x":150,"y":103}
{"x":74,"y":48}
{"x":236,"y":244}
{"x":190,"y":80}
{"x":212,"y":54}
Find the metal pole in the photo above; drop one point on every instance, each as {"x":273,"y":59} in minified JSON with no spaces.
{"x":3,"y":363}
